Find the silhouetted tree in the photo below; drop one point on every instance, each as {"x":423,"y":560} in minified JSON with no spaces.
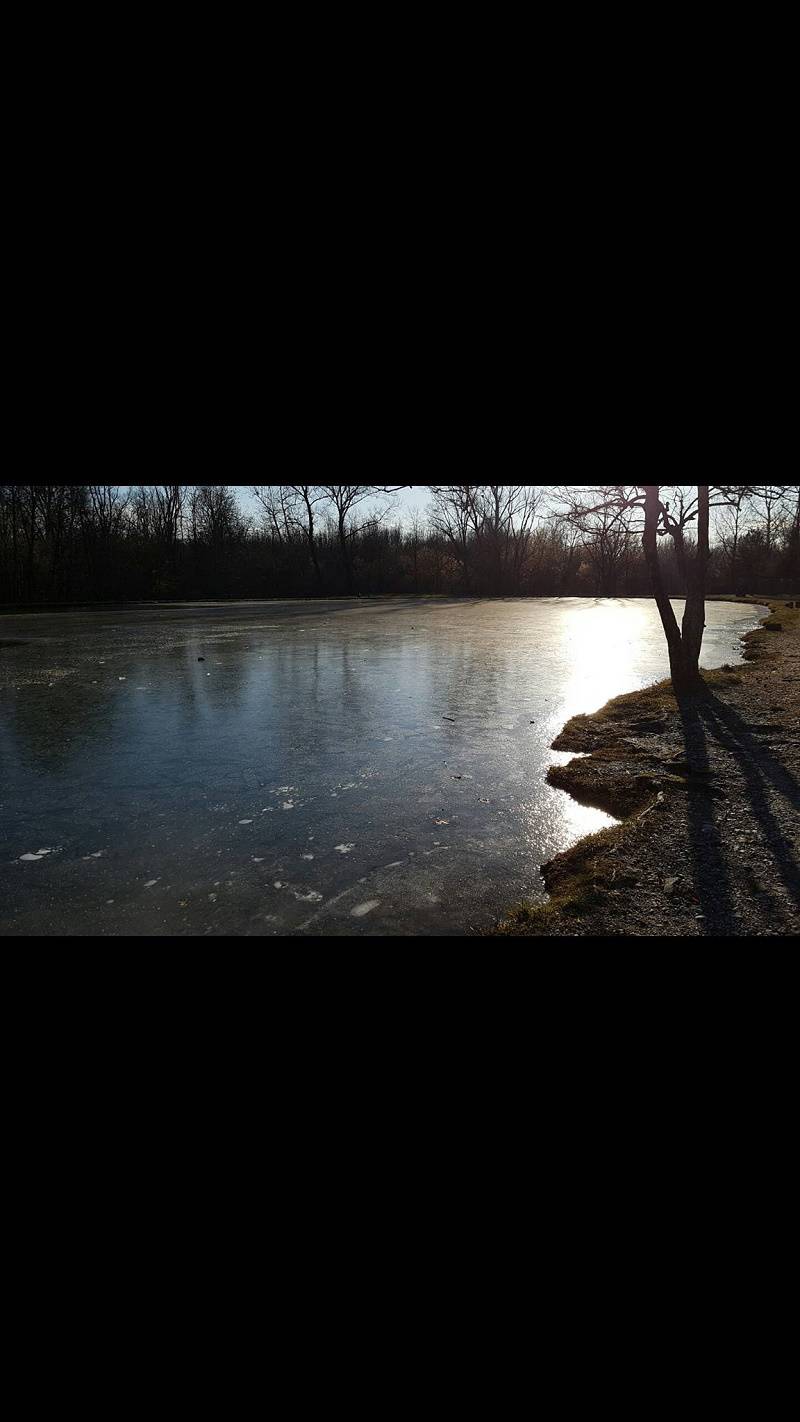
{"x":668,"y":511}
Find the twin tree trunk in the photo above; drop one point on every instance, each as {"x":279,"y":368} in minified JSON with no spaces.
{"x":684,"y":642}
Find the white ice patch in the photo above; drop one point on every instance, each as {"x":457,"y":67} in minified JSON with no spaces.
{"x":98,"y":855}
{"x":278,"y":884}
{"x":35,"y":858}
{"x":245,"y":822}
{"x":151,"y":882}
{"x":361,"y":910}
{"x":344,"y":848}
{"x":310,"y":898}
{"x":307,"y":856}
{"x":257,"y":861}
{"x":288,"y":804}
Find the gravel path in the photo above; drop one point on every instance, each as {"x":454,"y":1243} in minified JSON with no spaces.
{"x":709,"y":793}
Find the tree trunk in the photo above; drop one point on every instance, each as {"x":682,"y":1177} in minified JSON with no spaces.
{"x":694,"y":617}
{"x":346,"y":559}
{"x":30,"y":534}
{"x":685,"y":644}
{"x":669,"y":621}
{"x":312,"y":539}
{"x":15,"y":553}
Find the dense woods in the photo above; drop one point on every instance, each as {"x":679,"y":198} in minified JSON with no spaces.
{"x":65,"y":543}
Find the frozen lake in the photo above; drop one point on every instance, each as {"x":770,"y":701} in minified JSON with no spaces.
{"x":371,"y":767}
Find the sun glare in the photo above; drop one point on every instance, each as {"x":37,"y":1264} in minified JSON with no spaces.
{"x":602,"y":645}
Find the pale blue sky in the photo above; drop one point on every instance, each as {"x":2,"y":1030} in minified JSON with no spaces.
{"x":408,"y":501}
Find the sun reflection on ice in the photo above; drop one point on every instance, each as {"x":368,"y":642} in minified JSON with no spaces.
{"x":600,"y":659}
{"x":602,"y":651}
{"x":554,"y":822}
{"x":580,"y":820}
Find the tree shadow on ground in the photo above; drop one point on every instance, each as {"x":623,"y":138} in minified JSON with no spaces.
{"x":706,"y":718}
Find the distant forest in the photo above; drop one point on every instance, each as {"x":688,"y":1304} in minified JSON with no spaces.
{"x":62,"y":543}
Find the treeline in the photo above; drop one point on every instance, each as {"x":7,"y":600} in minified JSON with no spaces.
{"x":80,"y":542}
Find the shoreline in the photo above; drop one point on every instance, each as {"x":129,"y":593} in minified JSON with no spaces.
{"x":707,"y":792}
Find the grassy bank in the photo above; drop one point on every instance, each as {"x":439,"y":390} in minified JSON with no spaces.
{"x":639,"y":762}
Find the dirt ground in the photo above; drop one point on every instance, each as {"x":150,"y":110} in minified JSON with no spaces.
{"x":708,"y":791}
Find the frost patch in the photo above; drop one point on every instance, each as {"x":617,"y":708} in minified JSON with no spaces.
{"x":288,"y":804}
{"x":361,"y":910}
{"x":311,"y":898}
{"x":37,"y":856}
{"x":344,"y":848}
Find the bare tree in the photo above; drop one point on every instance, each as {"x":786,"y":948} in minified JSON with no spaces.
{"x":731,"y":520}
{"x":669,"y":511}
{"x":276,"y":501}
{"x":793,"y":537}
{"x":217,"y":519}
{"x":770,"y":502}
{"x":62,"y":531}
{"x":509,"y":514}
{"x":292,"y":511}
{"x":168,"y":508}
{"x":488,"y":529}
{"x":605,"y":531}
{"x":102,"y":516}
{"x":457,"y":515}
{"x":346,"y":500}
{"x":415,"y":540}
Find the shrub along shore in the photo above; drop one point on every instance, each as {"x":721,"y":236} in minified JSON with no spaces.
{"x":707,"y":790}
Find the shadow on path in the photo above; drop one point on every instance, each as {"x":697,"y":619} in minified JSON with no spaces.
{"x":705,"y":718}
